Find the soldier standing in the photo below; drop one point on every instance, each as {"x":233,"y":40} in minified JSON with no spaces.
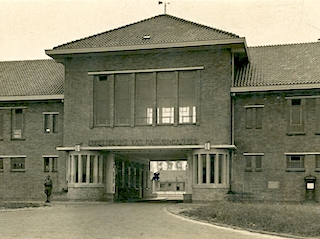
{"x":48,"y":188}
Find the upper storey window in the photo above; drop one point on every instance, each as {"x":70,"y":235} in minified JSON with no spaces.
{"x":18,"y":115}
{"x":149,"y":97}
{"x":296,"y":116}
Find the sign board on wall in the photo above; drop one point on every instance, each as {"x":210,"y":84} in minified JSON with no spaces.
{"x":143,"y":142}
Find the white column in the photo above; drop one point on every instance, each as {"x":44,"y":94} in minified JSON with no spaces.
{"x":199,"y":169}
{"x":129,"y":176}
{"x":189,"y":174}
{"x":109,"y":173}
{"x":224,"y":170}
{"x":100,"y":168}
{"x":95,"y":169}
{"x":216,"y":169}
{"x":208,"y":168}
{"x":228,"y":169}
{"x":73,"y":170}
{"x":195,"y":170}
{"x":123,"y":173}
{"x":79,"y":168}
{"x":88,"y":169}
{"x":69,"y":169}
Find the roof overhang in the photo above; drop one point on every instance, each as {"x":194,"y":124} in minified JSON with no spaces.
{"x":31,"y":97}
{"x":274,"y":88}
{"x":236,"y":44}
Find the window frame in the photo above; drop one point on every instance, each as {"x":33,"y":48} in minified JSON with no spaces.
{"x":22,"y":169}
{"x":52,"y":162}
{"x":254,"y":115}
{"x":289,"y":162}
{"x":251,"y":162}
{"x":50,"y":122}
{"x":174,"y":118}
{"x":292,"y":106}
{"x":1,"y":124}
{"x":18,"y":134}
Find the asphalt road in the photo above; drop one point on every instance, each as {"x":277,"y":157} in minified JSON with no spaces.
{"x":110,"y":220}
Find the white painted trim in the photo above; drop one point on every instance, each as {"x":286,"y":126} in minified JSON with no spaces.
{"x":274,"y":88}
{"x":253,"y":154}
{"x":302,"y":153}
{"x":13,"y":107}
{"x":145,"y":70}
{"x":113,"y":148}
{"x":13,"y":156}
{"x":32,"y":97}
{"x":302,"y":97}
{"x":253,"y":106}
{"x":52,"y":52}
{"x":50,"y":156}
{"x":50,"y":113}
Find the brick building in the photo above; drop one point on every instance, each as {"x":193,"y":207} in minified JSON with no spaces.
{"x":245,"y":119}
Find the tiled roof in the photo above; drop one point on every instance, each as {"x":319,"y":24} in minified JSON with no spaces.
{"x":29,"y":78}
{"x":281,"y":65}
{"x":161,"y":29}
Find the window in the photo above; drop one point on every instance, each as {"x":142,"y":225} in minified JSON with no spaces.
{"x":296,"y":116}
{"x":18,"y":164}
{"x":17,"y":123}
{"x":85,"y":169}
{"x":317,"y":120}
{"x":253,"y":162}
{"x":1,"y":164}
{"x":102,"y":96}
{"x":295,"y":163}
{"x":50,"y":122}
{"x":317,"y":161}
{"x":50,"y":163}
{"x":254,"y":116}
{"x":1,"y":125}
{"x":187,"y":97}
{"x":211,"y":168}
{"x":146,"y":98}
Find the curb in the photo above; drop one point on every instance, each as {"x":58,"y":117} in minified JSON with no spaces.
{"x":177,"y":213}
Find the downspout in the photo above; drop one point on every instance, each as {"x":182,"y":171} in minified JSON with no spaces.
{"x":232,"y":124}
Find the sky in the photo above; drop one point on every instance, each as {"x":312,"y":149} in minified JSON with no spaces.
{"x":29,"y":27}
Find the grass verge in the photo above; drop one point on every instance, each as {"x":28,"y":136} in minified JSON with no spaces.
{"x":294,"y":219}
{"x":16,"y":205}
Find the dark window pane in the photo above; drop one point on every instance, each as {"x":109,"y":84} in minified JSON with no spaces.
{"x":144,"y":98}
{"x":123,"y":99}
{"x":102,"y":95}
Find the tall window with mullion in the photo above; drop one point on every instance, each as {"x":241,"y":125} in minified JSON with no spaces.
{"x":1,"y":125}
{"x":144,"y":98}
{"x":187,"y":97}
{"x":296,"y":115}
{"x":165,"y":97}
{"x":18,"y":123}
{"x":102,"y":96}
{"x":123,"y":99}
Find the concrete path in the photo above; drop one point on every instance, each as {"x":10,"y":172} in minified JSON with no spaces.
{"x":110,"y":220}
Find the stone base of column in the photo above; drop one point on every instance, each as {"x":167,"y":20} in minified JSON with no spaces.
{"x":109,"y":197}
{"x":187,"y":198}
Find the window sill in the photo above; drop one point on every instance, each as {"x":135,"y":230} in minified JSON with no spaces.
{"x":85,"y":185}
{"x":317,"y":170}
{"x":17,"y":139}
{"x":18,"y":170}
{"x":295,"y":133}
{"x":210,"y":185}
{"x":295,"y":170}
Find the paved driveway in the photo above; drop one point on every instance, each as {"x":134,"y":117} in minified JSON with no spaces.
{"x":110,"y":220}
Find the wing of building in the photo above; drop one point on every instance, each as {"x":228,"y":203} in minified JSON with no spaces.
{"x":246,"y":119}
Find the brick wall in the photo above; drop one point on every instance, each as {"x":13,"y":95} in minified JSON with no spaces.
{"x":273,"y":141}
{"x":215,"y":104}
{"x":29,"y":185}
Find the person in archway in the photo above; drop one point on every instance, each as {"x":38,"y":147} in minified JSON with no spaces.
{"x":48,"y":188}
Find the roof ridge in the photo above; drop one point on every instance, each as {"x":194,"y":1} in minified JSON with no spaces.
{"x":29,"y":60}
{"x":111,"y":30}
{"x":147,"y":19}
{"x":285,"y":44}
{"x":201,"y":25}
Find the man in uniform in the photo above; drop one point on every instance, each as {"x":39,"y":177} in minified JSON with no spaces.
{"x":48,"y":188}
